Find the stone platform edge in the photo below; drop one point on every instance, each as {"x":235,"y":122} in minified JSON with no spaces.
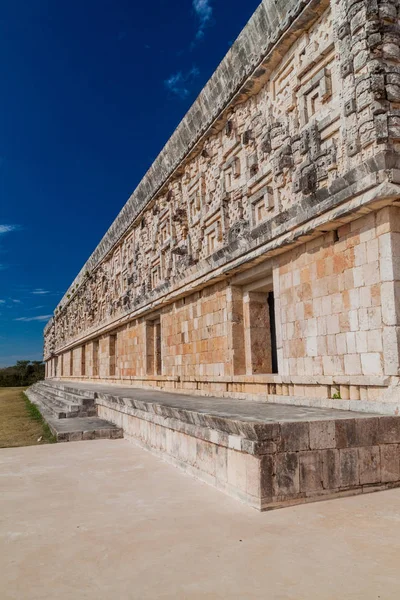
{"x":266,"y":465}
{"x":258,"y":390}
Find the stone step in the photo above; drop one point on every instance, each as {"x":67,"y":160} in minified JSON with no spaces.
{"x":52,"y":408}
{"x":70,"y":388}
{"x":73,"y":429}
{"x":84,"y":428}
{"x":67,"y":393}
{"x":37,"y":399}
{"x":65,"y":405}
{"x":71,"y":409}
{"x":66,"y":396}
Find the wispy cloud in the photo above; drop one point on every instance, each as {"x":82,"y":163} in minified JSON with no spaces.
{"x":2,"y":301}
{"x":180,"y":83}
{"x":3,"y":230}
{"x":40,"y":292}
{"x":203,"y":11}
{"x":8,"y":228}
{"x":38,"y":318}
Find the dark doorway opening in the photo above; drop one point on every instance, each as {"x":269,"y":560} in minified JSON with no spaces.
{"x":272,"y":326}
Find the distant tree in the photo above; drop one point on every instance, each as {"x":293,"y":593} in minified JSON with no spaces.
{"x":23,"y":373}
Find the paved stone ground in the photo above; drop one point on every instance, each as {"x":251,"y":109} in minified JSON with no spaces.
{"x":105,"y":519}
{"x":245,"y":410}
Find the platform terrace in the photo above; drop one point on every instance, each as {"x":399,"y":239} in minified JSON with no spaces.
{"x":263,"y":454}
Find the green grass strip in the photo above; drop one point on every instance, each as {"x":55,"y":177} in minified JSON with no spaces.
{"x":36,"y":415}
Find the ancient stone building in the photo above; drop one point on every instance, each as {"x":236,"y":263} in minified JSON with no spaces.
{"x":259,"y":257}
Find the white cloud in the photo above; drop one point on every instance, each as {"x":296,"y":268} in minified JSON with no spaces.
{"x":7,"y":228}
{"x":40,"y":291}
{"x":179,"y":83}
{"x":38,"y":318}
{"x":204,"y":11}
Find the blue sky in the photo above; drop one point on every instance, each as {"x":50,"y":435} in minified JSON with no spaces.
{"x":91,"y":91}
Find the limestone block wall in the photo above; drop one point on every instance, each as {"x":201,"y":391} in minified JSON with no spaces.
{"x":104,"y":357}
{"x":194,"y":335}
{"x":67,"y":364}
{"x":78,"y":361}
{"x":131,"y":350}
{"x":330,"y":297}
{"x":389,"y":262}
{"x":90,"y":349}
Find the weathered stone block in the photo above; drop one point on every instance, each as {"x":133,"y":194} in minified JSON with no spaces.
{"x":267,"y":476}
{"x":287,"y":480}
{"x":102,"y":434}
{"x":237,"y":476}
{"x":205,"y":457}
{"x":346,"y":435}
{"x":369,"y":464}
{"x":116,"y":434}
{"x":390,"y":463}
{"x":389,"y":430}
{"x":253,"y":476}
{"x":294,"y":436}
{"x":311,"y":471}
{"x":349,"y":467}
{"x":367,"y":431}
{"x":221,"y":466}
{"x":322,"y":434}
{"x":330,"y":469}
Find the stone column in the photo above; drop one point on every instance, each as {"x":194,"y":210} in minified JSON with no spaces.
{"x":71,"y":363}
{"x":150,"y":341}
{"x":112,"y":346}
{"x":388,"y":229}
{"x":236,"y":344}
{"x":257,"y":333}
